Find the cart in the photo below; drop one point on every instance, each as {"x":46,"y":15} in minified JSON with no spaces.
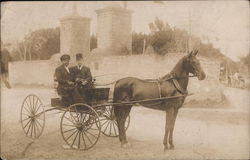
{"x":81,"y":124}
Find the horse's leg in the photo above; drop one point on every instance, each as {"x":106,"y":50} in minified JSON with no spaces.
{"x":169,"y":119}
{"x":121,"y":113}
{"x":172,"y":128}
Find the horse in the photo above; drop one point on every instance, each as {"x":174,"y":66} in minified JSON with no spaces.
{"x":173,"y":84}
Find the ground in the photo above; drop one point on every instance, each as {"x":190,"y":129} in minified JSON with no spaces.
{"x":200,"y":133}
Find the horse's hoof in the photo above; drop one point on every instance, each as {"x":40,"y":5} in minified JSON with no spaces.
{"x":126,"y":145}
{"x":165,"y":149}
{"x":171,"y":147}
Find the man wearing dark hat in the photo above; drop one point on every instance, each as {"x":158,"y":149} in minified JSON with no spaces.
{"x":83,"y":77}
{"x":65,"y":80}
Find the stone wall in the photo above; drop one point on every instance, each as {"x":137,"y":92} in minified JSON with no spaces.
{"x":31,"y":73}
{"x":150,"y":66}
{"x":117,"y":67}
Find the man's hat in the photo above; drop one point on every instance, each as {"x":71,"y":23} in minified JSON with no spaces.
{"x":65,"y":57}
{"x":79,"y":56}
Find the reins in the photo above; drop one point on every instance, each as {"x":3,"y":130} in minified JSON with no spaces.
{"x":148,"y":80}
{"x":169,"y":78}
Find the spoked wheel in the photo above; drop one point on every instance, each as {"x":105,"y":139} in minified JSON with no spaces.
{"x":109,"y":124}
{"x":80,"y":126}
{"x":32,"y":116}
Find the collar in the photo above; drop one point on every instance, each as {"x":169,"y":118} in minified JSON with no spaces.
{"x":170,"y":76}
{"x":66,"y":67}
{"x":79,"y":67}
{"x":178,"y":87}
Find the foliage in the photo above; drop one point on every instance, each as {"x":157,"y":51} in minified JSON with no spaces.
{"x":162,"y":37}
{"x":43,"y":43}
{"x":39,"y":44}
{"x":165,"y":39}
{"x":138,"y":42}
{"x":246,"y":60}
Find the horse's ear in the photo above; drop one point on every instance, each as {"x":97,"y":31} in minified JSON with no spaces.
{"x":190,"y":54}
{"x":193,"y":53}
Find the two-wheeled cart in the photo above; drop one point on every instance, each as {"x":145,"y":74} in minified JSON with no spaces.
{"x":81,"y":124}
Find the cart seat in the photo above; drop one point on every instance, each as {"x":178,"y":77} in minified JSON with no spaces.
{"x":99,"y":95}
{"x":96,"y":96}
{"x":57,"y":102}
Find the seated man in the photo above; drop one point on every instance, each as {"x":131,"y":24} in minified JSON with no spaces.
{"x":66,"y":88}
{"x":83,"y":78}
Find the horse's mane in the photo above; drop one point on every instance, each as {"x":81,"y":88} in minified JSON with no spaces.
{"x":173,"y":73}
{"x":178,"y":66}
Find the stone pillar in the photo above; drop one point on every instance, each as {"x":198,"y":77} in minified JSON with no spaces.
{"x":114,"y":30}
{"x":75,"y":35}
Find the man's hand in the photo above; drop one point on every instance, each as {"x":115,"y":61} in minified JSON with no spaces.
{"x":78,"y":79}
{"x":70,"y":83}
{"x":83,"y":82}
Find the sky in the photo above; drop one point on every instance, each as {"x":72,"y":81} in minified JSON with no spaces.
{"x":225,"y":24}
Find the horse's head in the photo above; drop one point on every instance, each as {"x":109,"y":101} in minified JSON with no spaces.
{"x":192,"y":64}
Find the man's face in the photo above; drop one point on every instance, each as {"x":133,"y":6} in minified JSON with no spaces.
{"x":65,"y":62}
{"x":79,"y":62}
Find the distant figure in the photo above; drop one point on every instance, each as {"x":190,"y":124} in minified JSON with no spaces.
{"x":5,"y":58}
{"x":241,"y":81}
{"x":229,"y":80}
{"x":83,"y":77}
{"x":236,"y":79}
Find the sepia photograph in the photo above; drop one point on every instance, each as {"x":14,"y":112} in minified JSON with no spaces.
{"x":125,"y":80}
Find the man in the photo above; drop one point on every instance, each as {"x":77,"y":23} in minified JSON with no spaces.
{"x":65,"y":81}
{"x":83,"y":78}
{"x":5,"y":58}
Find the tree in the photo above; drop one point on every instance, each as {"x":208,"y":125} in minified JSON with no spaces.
{"x":246,"y":60}
{"x":44,"y":43}
{"x":39,"y":44}
{"x":138,"y":42}
{"x":162,"y":37}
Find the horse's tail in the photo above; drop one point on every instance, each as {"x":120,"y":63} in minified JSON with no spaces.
{"x":122,"y":91}
{"x":117,"y":90}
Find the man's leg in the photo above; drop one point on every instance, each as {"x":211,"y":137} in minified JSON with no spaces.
{"x":77,"y":97}
{"x":5,"y":80}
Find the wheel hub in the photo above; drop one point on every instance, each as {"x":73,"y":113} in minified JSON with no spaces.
{"x":80,"y":127}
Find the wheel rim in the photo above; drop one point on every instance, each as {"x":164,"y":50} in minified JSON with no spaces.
{"x":80,"y":127}
{"x":109,"y":123}
{"x":32,"y":116}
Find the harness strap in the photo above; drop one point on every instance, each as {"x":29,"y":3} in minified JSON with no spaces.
{"x":178,"y":87}
{"x":159,"y":87}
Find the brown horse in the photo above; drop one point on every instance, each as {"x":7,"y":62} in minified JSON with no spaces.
{"x":173,"y":84}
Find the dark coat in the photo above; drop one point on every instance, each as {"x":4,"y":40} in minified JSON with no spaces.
{"x":5,"y":58}
{"x":62,"y":76}
{"x":83,"y":73}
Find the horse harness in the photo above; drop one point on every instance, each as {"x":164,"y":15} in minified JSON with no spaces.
{"x":175,"y":82}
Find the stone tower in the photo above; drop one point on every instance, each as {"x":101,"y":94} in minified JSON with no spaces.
{"x":114,"y":30}
{"x":75,"y":34}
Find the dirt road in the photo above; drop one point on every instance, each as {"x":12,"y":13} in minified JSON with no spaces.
{"x":199,"y":133}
